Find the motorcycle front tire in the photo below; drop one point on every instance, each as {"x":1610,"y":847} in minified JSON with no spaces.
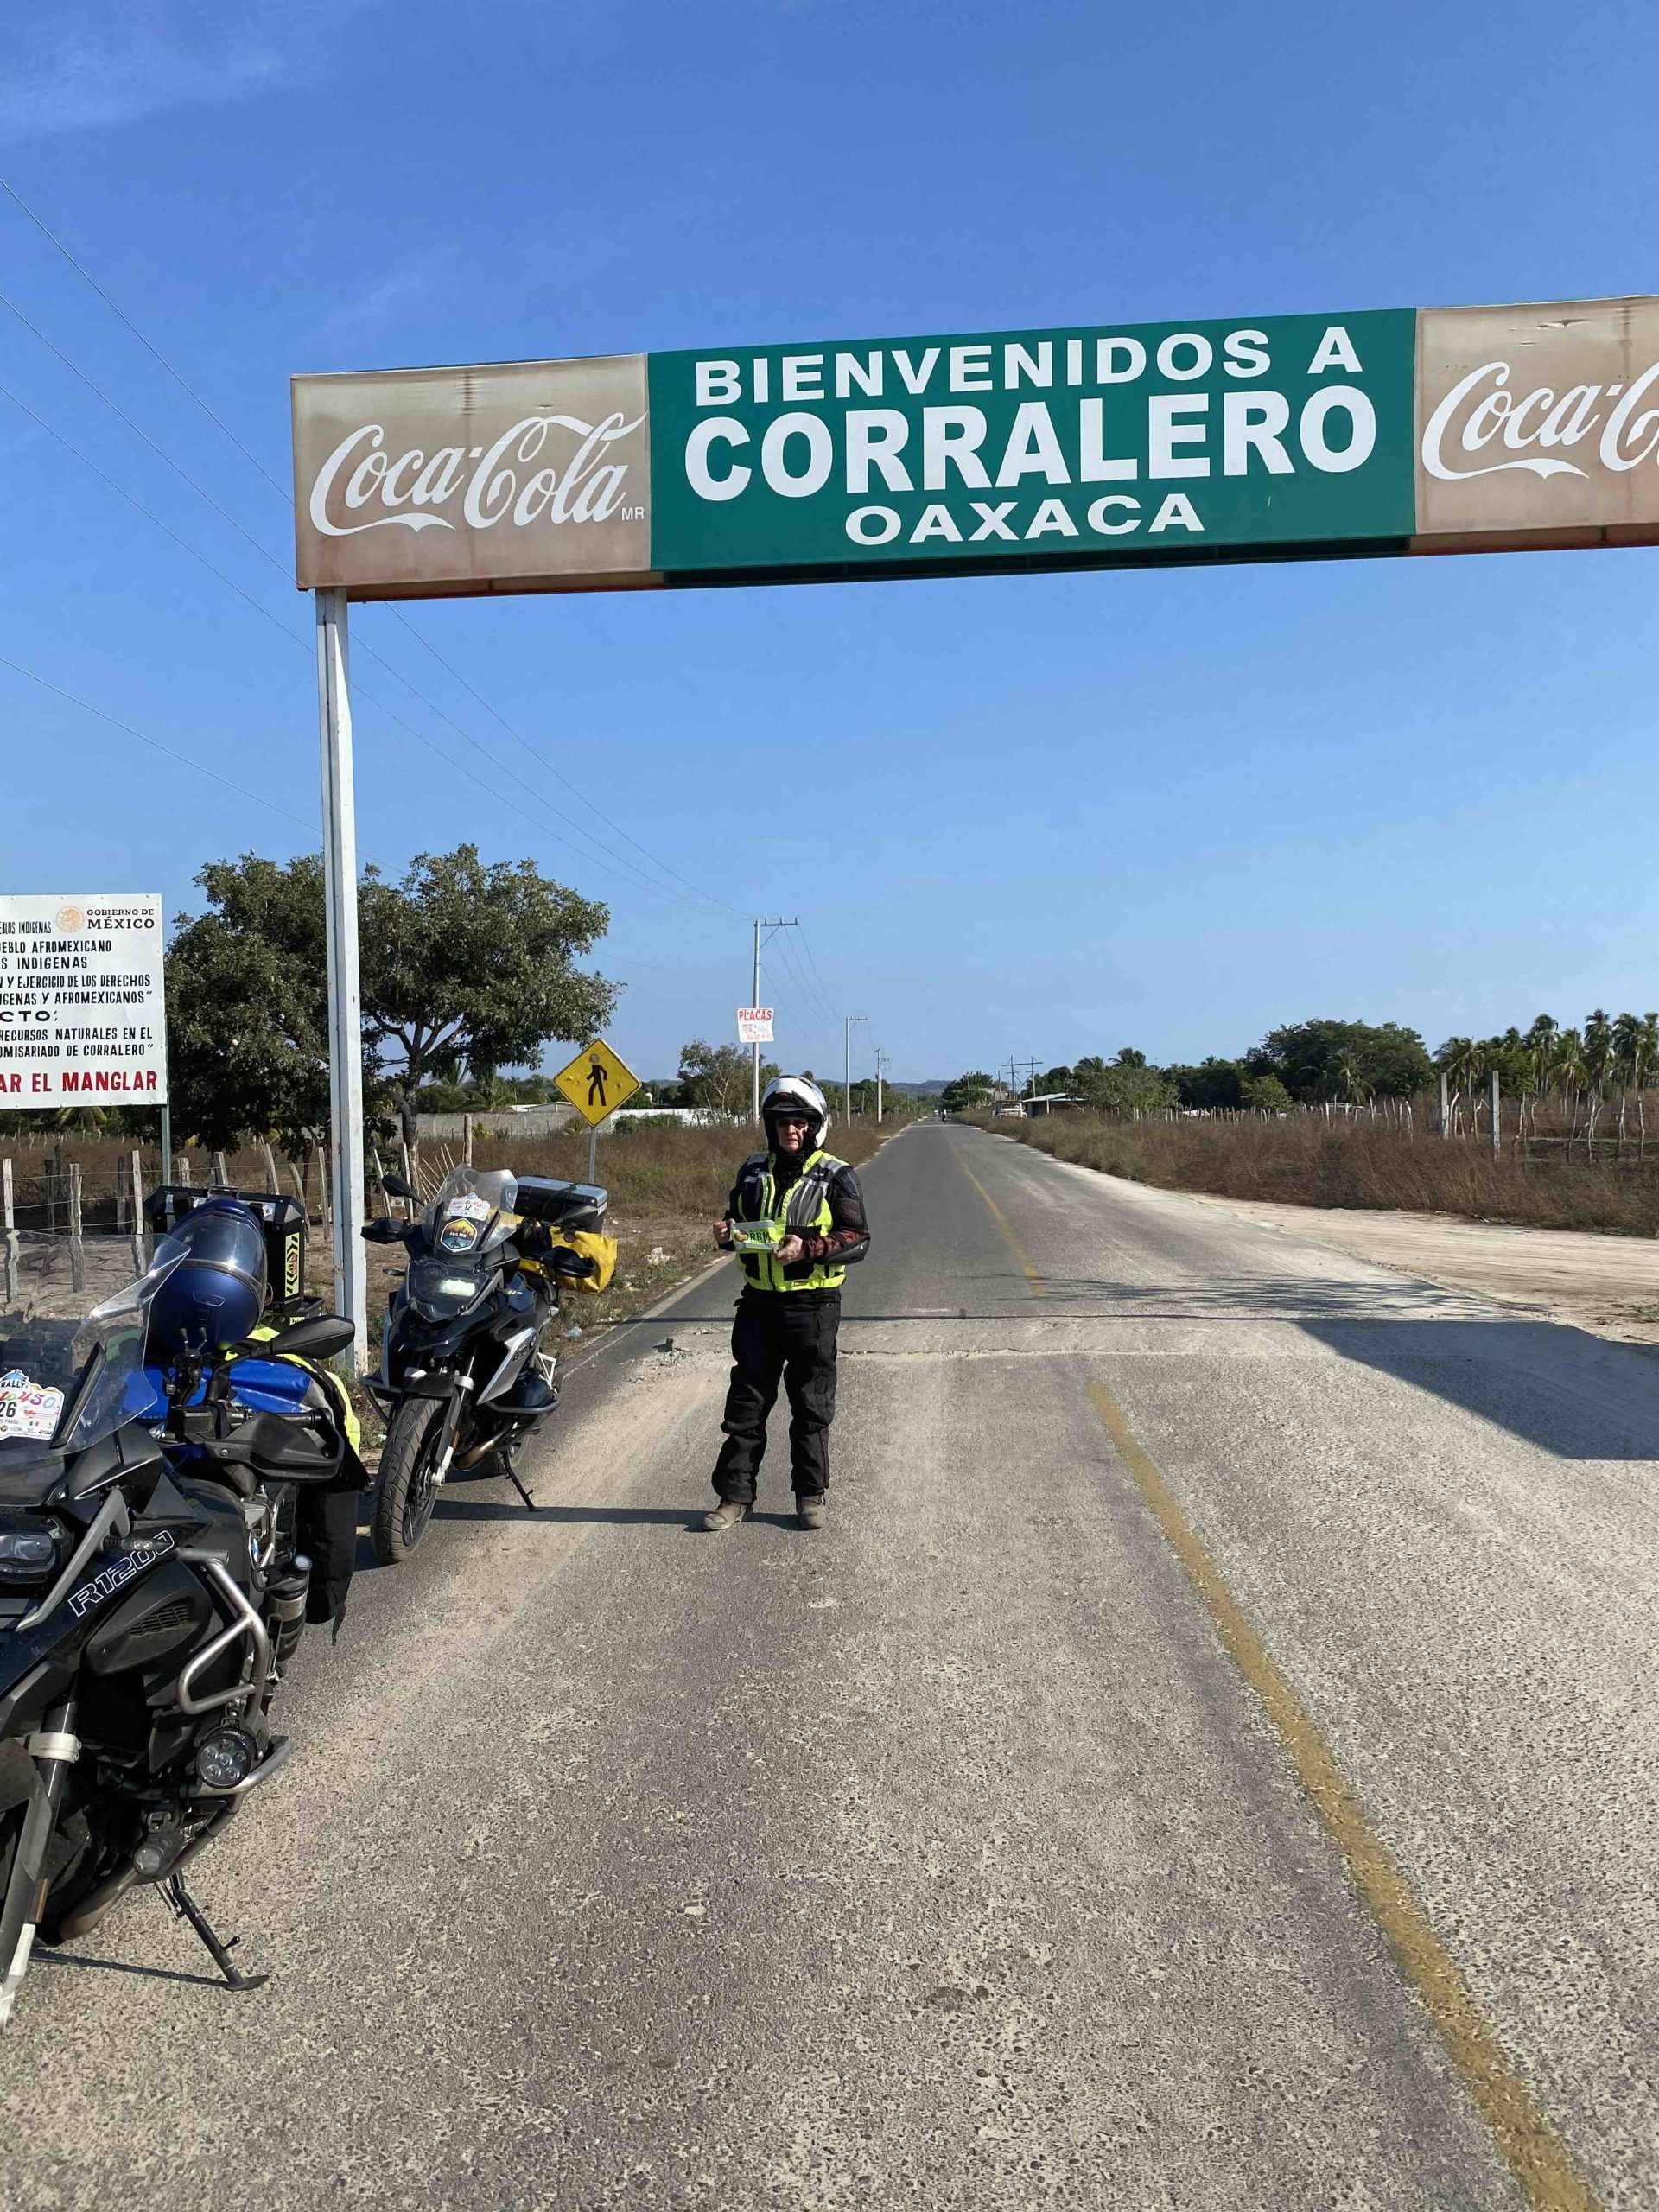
{"x":407,"y":1490}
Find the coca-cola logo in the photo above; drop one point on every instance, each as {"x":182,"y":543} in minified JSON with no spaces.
{"x":1485,"y":426}
{"x":556,"y":468}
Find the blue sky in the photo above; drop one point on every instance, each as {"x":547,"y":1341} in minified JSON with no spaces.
{"x":1048,"y":815}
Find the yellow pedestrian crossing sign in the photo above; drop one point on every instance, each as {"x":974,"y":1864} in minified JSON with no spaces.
{"x":596,"y":1082}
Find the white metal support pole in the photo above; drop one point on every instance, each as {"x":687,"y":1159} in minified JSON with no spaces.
{"x":344,"y":994}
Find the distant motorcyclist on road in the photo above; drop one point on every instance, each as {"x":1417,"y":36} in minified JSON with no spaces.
{"x":796,"y":1218}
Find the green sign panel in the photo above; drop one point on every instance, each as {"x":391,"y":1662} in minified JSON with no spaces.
{"x":1034,"y":449}
{"x":1422,"y":430}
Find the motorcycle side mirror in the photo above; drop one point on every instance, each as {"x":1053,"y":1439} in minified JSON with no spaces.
{"x":398,"y":1186}
{"x":318,"y":1338}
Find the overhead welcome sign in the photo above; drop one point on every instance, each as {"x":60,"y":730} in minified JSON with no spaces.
{"x":1381,"y":432}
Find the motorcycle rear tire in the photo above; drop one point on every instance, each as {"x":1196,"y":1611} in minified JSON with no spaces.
{"x":407,"y":1492}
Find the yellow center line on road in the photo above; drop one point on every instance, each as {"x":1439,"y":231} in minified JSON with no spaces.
{"x":1532,"y":2150}
{"x":1037,"y":1288}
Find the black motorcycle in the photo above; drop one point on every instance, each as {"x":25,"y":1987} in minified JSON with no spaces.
{"x":151,"y":1591}
{"x":465,"y":1370}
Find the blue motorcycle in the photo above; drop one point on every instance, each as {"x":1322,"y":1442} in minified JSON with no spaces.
{"x":160,"y":1469}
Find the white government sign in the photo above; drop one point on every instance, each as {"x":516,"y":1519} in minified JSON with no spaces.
{"x":754,"y":1025}
{"x":83,"y":1011}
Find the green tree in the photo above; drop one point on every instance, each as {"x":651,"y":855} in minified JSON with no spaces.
{"x":1335,"y":1060}
{"x":472,"y":963}
{"x":247,"y":1035}
{"x":968,"y":1090}
{"x":1265,"y":1093}
{"x":720,"y":1078}
{"x":1215,"y":1083}
{"x":466,"y":964}
{"x":1128,"y":1088}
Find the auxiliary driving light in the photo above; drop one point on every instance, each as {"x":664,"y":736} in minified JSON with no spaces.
{"x":226,"y":1758}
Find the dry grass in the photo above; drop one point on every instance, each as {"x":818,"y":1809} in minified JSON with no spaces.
{"x":1306,"y":1161}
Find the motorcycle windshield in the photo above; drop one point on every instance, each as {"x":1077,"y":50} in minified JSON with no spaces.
{"x":64,"y":1385}
{"x":473,"y":1212}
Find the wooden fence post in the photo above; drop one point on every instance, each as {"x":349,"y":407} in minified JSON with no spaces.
{"x":1446,"y":1127}
{"x":10,"y":1232}
{"x":270,"y":1157}
{"x":77,"y":1254}
{"x":466,"y":1138}
{"x":1497,"y":1148}
{"x":136,"y":1178}
{"x":183,"y":1163}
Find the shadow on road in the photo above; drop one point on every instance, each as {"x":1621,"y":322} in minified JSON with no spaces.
{"x":1577,"y":1395}
{"x":472,"y":1508}
{"x":48,"y":1958}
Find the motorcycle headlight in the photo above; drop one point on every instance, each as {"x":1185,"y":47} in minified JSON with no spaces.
{"x":29,"y":1555}
{"x":439,"y":1291}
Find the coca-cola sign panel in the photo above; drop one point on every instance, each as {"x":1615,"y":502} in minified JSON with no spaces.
{"x":532,"y":475}
{"x":1379,"y":432}
{"x":1538,"y":425}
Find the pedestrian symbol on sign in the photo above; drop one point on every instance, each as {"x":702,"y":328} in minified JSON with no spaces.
{"x":597,"y":1083}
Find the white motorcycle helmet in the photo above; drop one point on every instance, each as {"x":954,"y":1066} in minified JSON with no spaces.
{"x":796,"y":1090}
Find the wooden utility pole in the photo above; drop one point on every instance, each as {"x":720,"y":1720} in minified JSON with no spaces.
{"x":136,"y":1176}
{"x":77,"y":1253}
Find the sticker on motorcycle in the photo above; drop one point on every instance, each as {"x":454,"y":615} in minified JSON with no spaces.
{"x":469,"y":1208}
{"x":458,"y":1235}
{"x":28,"y":1409}
{"x":120,"y":1572}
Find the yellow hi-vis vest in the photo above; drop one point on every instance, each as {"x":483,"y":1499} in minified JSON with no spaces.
{"x":806,"y":1210}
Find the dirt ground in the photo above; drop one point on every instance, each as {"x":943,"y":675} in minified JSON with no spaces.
{"x":1609,"y":1284}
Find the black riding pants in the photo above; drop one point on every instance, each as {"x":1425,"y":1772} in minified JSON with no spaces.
{"x":787,"y":1336}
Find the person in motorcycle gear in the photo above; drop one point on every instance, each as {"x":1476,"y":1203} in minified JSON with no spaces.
{"x":789,"y":1313}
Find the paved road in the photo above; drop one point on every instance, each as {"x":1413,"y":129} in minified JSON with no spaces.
{"x":1209,"y":1761}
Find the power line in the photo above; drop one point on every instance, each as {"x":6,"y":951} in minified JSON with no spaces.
{"x":129,"y":324}
{"x":807,"y":949}
{"x":167,"y":529}
{"x":630,"y":872}
{"x":638,"y":881}
{"x":663,"y":867}
{"x":536,"y":753}
{"x":121,"y":416}
{"x":195,"y":767}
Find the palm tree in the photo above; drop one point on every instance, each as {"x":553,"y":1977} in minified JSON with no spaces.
{"x":1644,"y":1057}
{"x":1597,"y":1062}
{"x":1627,"y":1067}
{"x":1539,"y":1043}
{"x":1566,"y":1068}
{"x":1460,"y":1058}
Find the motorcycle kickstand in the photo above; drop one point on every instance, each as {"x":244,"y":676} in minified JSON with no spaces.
{"x":512,"y":1473}
{"x":186,"y":1908}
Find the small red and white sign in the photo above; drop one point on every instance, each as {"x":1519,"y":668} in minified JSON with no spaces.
{"x":754,"y":1025}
